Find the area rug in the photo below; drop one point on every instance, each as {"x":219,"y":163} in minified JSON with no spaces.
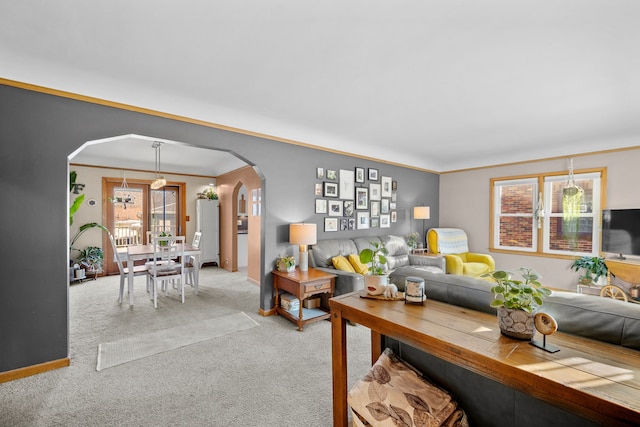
{"x":133,"y":348}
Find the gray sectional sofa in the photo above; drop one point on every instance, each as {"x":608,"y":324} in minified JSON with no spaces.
{"x":592,"y":317}
{"x":322,"y":253}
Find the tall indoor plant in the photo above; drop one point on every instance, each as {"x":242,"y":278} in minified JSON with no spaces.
{"x":517,"y":300}
{"x":375,"y":257}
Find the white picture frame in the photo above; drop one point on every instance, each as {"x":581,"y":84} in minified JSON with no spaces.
{"x":385,"y":183}
{"x":362,"y":220}
{"x":321,"y":206}
{"x":347,"y":184}
{"x":385,"y":221}
{"x":330,"y":224}
{"x":334,"y":207}
{"x":375,"y":192}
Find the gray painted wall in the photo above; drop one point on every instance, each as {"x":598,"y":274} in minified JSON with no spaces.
{"x":38,"y":132}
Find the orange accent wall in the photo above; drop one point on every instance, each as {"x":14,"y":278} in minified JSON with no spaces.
{"x":227,"y":187}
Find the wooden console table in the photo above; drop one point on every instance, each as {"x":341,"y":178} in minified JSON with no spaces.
{"x":596,"y":380}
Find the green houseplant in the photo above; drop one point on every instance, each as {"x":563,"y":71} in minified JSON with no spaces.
{"x":375,"y":258}
{"x":516,"y":301}
{"x":91,"y":258}
{"x":286,"y":263}
{"x":594,"y":270}
{"x":412,"y":239}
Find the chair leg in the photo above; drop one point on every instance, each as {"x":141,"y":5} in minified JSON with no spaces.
{"x":121,"y":288}
{"x":155,"y":294}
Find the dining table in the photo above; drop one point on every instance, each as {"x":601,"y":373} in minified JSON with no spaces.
{"x":133,"y":253}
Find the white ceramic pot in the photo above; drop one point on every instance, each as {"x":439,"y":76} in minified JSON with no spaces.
{"x":375,"y":285}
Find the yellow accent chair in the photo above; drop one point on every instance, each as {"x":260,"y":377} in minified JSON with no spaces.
{"x":452,"y":243}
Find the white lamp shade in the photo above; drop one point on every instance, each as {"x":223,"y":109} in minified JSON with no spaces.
{"x":421,"y":212}
{"x":302,"y":234}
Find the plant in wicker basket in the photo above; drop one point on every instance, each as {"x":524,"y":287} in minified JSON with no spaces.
{"x":516,"y":301}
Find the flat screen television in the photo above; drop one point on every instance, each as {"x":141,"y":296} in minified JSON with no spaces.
{"x":621,"y":231}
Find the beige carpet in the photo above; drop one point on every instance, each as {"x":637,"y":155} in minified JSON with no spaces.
{"x":272,"y":375}
{"x":139,"y":346}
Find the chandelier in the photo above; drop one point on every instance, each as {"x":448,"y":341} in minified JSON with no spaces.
{"x":126,"y":198}
{"x":159,"y":181}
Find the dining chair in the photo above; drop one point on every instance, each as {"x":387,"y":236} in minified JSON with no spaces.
{"x":190,"y":264}
{"x":138,"y":270}
{"x":166,"y":266}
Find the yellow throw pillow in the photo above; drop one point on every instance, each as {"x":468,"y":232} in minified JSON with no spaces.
{"x":341,"y":263}
{"x":358,"y":266}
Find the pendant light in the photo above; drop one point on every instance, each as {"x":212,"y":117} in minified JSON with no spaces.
{"x":159,"y":181}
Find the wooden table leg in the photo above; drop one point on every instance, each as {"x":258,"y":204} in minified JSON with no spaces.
{"x":339,"y":368}
{"x":376,"y":346}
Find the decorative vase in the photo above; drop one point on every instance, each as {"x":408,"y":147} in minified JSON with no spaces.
{"x":516,"y":323}
{"x":375,"y":284}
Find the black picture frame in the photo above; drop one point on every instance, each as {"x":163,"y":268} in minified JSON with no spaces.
{"x":330,"y":189}
{"x":362,"y":198}
{"x":373,"y":174}
{"x":359,"y":172}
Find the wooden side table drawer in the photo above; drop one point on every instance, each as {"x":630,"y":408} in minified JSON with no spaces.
{"x":324,"y":286}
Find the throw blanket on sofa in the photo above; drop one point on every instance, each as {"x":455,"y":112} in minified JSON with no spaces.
{"x":452,"y":241}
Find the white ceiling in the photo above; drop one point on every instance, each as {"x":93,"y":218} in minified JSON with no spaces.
{"x":434,"y":84}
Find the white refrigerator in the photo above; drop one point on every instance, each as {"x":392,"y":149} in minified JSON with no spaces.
{"x":208,"y":223}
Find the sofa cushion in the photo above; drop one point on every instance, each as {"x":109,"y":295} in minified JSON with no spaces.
{"x":323,"y":252}
{"x":342,"y":263}
{"x":358,"y":265}
{"x":474,"y":269}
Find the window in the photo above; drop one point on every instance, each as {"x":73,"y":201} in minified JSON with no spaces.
{"x":527,"y":214}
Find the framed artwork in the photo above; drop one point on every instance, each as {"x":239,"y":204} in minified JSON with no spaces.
{"x":330,"y":189}
{"x":392,"y":205}
{"x":331,"y":224}
{"x":384,"y":206}
{"x":360,"y":175}
{"x":344,"y":224}
{"x":374,"y":192}
{"x":385,"y":182}
{"x":362,"y":219}
{"x":385,"y":221}
{"x":321,"y":206}
{"x":375,"y":208}
{"x":394,"y":216}
{"x":394,"y":185}
{"x":331,"y":174}
{"x":318,"y":189}
{"x":348,"y":208}
{"x":320,"y":173}
{"x":373,"y":174}
{"x":335,"y":207}
{"x":373,"y":222}
{"x":346,"y":184}
{"x":393,"y":197}
{"x":362,"y":198}
{"x":352,"y":223}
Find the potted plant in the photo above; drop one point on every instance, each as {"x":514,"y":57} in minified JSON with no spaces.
{"x":593,"y":268}
{"x":375,"y":258}
{"x":164,"y":242}
{"x":516,"y":301}
{"x":412,"y":239}
{"x":286,"y":263}
{"x":91,"y":259}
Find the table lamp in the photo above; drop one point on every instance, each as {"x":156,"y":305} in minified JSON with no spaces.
{"x":422,"y":212}
{"x":303,"y":235}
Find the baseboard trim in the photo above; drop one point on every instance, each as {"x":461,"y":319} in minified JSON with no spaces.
{"x":28,"y":371}
{"x":266,"y":313}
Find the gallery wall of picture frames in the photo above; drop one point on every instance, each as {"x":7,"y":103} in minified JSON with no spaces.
{"x":357,"y":199}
